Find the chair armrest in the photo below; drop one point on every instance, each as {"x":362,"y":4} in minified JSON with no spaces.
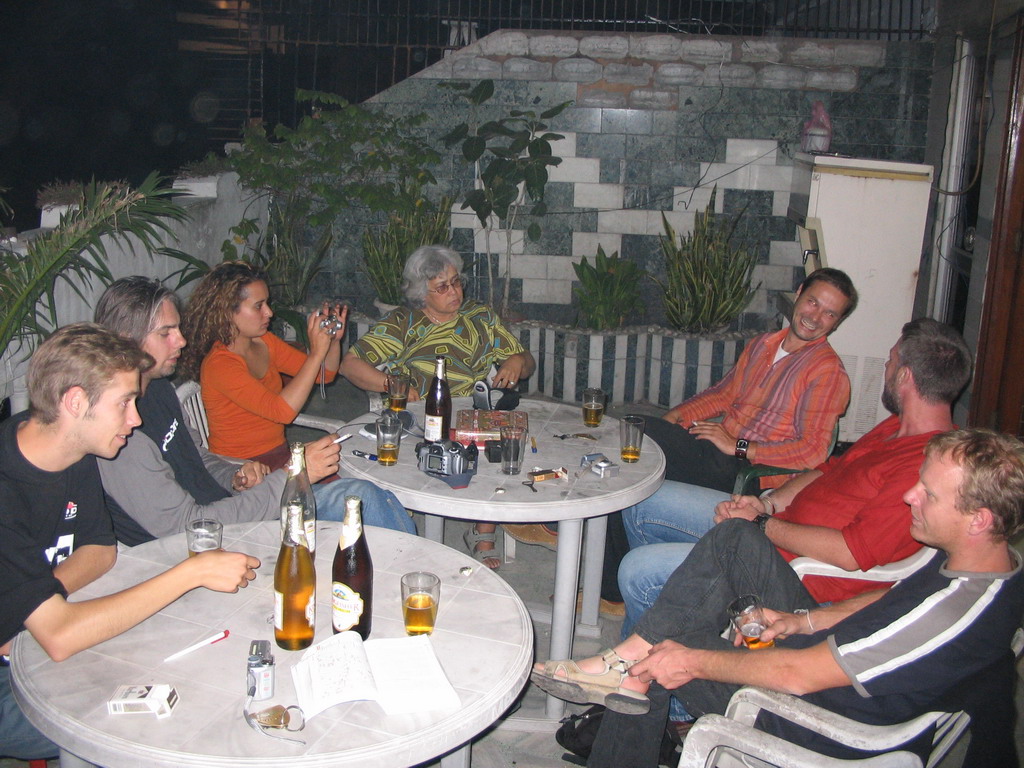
{"x":757,"y":471}
{"x":714,"y":731}
{"x":808,"y":566}
{"x":747,"y":702}
{"x":318,"y":422}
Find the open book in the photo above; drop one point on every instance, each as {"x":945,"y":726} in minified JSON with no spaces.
{"x":401,"y":674}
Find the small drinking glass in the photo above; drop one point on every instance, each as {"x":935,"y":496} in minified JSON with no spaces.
{"x":631,"y":437}
{"x":398,"y":390}
{"x":389,"y":438}
{"x":747,"y":616}
{"x":513,"y":449}
{"x":203,"y":535}
{"x":593,"y":407}
{"x":421,"y":592}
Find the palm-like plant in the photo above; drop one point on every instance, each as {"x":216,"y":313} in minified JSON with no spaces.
{"x":75,"y":251}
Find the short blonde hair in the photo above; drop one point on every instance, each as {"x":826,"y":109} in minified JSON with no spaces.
{"x":83,"y":355}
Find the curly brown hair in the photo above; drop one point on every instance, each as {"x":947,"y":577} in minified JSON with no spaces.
{"x":208,"y":317}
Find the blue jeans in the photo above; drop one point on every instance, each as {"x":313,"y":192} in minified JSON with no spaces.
{"x":380,"y":507}
{"x":676,"y":516}
{"x":18,"y":737}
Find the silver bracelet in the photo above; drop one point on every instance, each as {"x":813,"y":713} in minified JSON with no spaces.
{"x":769,"y":505}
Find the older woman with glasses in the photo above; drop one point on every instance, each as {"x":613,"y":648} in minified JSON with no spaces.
{"x":436,"y":320}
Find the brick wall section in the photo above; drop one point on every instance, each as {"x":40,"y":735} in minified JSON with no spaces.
{"x":656,"y":122}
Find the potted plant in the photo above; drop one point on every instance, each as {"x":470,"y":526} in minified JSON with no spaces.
{"x":707,"y":280}
{"x":56,"y":199}
{"x":199,"y":177}
{"x":75,"y":251}
{"x":385,"y":249}
{"x":340,"y":156}
{"x":609,"y":290}
{"x":510,"y":157}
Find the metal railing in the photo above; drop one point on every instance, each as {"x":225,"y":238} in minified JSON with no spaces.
{"x":358,"y":48}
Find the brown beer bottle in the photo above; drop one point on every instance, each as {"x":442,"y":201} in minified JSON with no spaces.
{"x":294,"y":586}
{"x":352,"y":576}
{"x":438,"y":406}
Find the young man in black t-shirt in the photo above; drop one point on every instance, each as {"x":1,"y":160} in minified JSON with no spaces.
{"x":55,"y":533}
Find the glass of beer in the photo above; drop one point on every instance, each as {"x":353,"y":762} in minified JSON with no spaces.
{"x":593,"y":407}
{"x":203,"y":535}
{"x":389,"y":438}
{"x":747,"y":615}
{"x":398,"y":390}
{"x":631,"y":437}
{"x":420,"y":594}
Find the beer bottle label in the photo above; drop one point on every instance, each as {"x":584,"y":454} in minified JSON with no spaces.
{"x":278,"y":610}
{"x":311,"y":610}
{"x":310,"y":528}
{"x":432,"y":428}
{"x":346,"y":606}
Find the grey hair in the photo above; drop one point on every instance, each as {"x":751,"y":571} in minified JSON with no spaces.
{"x":422,"y":266}
{"x":130,"y":306}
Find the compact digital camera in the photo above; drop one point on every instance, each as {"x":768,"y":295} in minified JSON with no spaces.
{"x":332,"y":324}
{"x":446,"y":458}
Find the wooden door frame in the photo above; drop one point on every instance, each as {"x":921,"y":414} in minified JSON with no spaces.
{"x":1003,"y":278}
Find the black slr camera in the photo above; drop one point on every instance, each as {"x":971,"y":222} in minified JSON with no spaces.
{"x":446,"y":458}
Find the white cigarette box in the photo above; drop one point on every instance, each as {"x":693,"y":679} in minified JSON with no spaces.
{"x":143,"y":699}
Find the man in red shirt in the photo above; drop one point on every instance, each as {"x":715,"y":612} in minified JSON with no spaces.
{"x":849,"y":511}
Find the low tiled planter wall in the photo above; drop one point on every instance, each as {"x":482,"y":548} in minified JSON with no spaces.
{"x":638,"y":364}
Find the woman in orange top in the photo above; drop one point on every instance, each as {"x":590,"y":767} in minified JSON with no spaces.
{"x":239,"y":363}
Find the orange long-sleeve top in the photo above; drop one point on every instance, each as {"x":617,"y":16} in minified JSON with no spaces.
{"x":247,"y":415}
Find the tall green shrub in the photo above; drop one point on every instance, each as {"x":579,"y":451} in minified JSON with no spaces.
{"x":707,"y":279}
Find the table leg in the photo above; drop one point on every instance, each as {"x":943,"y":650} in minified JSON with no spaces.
{"x":433,"y":527}
{"x":67,"y":760}
{"x":593,"y":568}
{"x":563,"y":613}
{"x":460,"y":758}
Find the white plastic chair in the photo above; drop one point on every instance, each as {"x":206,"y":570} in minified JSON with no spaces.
{"x":808,"y":566}
{"x":732,"y":740}
{"x":190,"y":397}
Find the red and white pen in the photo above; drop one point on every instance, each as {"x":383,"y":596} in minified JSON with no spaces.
{"x":208,"y":641}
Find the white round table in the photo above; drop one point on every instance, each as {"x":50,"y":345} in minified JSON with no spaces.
{"x":483,"y":640}
{"x":494,"y":497}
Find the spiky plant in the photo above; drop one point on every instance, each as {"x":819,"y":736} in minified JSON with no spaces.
{"x":707,"y":280}
{"x":75,"y":251}
{"x":385,"y":251}
{"x":609,"y":290}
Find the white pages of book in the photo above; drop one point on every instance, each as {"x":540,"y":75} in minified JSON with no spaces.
{"x":401,"y":674}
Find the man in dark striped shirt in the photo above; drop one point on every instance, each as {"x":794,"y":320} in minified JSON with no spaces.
{"x":881,"y":657}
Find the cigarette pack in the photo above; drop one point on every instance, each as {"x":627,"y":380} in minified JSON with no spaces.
{"x":143,"y":699}
{"x":478,"y":427}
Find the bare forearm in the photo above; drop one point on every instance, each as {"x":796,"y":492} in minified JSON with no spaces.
{"x":824,"y":544}
{"x":63,"y":628}
{"x":85,"y":565}
{"x":792,"y":671}
{"x":362,"y":374}
{"x":296,"y":392}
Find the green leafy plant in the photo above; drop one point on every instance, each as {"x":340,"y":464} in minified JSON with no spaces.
{"x":75,"y":252}
{"x":609,"y":290}
{"x":707,"y":280}
{"x":510,"y":156}
{"x":210,"y":165}
{"x":386,"y":249}
{"x":340,"y":156}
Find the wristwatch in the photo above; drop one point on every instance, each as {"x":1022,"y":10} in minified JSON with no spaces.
{"x":741,"y":448}
{"x":762,"y":521}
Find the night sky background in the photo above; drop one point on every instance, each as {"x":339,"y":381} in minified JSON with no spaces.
{"x":93,"y":89}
